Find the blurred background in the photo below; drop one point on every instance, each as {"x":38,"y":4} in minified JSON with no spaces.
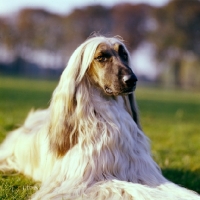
{"x":163,"y":36}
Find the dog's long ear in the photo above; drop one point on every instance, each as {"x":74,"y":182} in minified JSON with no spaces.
{"x":63,"y":132}
{"x":65,"y":104}
{"x":132,"y":108}
{"x":62,"y":128}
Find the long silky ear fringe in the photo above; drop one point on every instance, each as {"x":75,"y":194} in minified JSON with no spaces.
{"x":62,"y":132}
{"x":63,"y":127}
{"x":132,"y":108}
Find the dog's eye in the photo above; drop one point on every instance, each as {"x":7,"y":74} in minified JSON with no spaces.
{"x":125,"y":56}
{"x":101,"y":58}
{"x":122,"y":53}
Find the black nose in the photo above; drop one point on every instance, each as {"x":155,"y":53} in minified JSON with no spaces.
{"x":130,"y":80}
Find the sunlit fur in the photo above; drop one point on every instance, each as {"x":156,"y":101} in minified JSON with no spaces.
{"x":87,"y":145}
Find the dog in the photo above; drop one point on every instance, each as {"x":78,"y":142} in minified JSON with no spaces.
{"x":89,"y":143}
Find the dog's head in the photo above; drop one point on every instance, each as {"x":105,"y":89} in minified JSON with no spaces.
{"x":110,"y":69}
{"x":99,"y":64}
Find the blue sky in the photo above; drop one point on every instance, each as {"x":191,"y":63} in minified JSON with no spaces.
{"x":64,"y":6}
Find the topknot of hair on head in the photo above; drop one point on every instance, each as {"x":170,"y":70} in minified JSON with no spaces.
{"x":98,"y":34}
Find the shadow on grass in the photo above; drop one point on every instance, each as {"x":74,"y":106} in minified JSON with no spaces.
{"x":10,"y":127}
{"x":184,"y":178}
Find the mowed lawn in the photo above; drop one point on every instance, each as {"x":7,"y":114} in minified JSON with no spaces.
{"x":170,"y":118}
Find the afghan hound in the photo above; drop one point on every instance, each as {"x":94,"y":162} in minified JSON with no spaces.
{"x":89,"y":143}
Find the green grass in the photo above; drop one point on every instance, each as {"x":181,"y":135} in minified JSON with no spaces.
{"x":18,"y":97}
{"x":170,"y":118}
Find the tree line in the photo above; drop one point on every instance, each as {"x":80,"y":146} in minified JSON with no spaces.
{"x":46,"y":39}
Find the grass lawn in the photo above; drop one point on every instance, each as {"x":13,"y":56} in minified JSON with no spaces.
{"x":170,"y":118}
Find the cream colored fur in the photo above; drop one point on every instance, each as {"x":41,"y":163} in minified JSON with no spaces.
{"x":111,"y":159}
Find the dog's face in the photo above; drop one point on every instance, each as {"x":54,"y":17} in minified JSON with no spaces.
{"x":110,"y":70}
